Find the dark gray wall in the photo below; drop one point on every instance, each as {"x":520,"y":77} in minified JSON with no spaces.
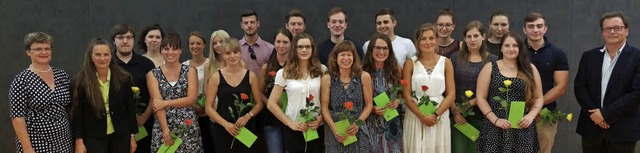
{"x":573,"y":26}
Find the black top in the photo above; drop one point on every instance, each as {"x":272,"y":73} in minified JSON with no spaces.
{"x":266,"y":117}
{"x":138,"y":67}
{"x":226,"y":97}
{"x":448,"y":50}
{"x":493,"y":48}
{"x":466,"y":76}
{"x":325,"y":48}
{"x":547,"y":60}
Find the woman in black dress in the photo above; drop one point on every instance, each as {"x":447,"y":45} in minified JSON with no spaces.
{"x":496,"y":134}
{"x":230,"y":84}
{"x":38,"y":101}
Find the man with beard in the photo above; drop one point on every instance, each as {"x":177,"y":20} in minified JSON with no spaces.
{"x":337,"y":24}
{"x":255,"y":51}
{"x":386,"y":23}
{"x":138,"y":66}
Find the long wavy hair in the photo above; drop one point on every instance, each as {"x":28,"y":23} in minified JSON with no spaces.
{"x":390,"y":67}
{"x":214,"y":63}
{"x":344,"y":46}
{"x":525,"y":71}
{"x":291,"y":69}
{"x":273,"y":64}
{"x":86,"y":81}
{"x":464,"y":52}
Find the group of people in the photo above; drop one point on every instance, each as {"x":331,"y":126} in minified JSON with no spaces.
{"x":284,"y":90}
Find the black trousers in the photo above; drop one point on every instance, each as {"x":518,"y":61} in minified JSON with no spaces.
{"x":294,"y":141}
{"x":112,"y":144}
{"x":602,"y":144}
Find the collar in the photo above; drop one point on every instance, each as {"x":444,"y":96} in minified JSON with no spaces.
{"x":619,"y":50}
{"x":544,"y":45}
{"x":258,"y":43}
{"x":108,"y":76}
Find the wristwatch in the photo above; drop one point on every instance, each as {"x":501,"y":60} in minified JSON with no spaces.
{"x":250,"y":114}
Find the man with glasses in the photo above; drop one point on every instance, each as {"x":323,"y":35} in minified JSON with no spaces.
{"x":444,"y":23}
{"x":337,"y":24}
{"x":607,"y":87}
{"x":386,"y":23}
{"x":553,"y":67}
{"x":138,"y":66}
{"x":255,"y":51}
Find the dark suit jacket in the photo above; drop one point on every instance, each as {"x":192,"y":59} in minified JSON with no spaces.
{"x":622,"y":98}
{"x":121,"y":107}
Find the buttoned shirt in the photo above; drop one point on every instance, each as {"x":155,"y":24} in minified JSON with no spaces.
{"x":261,"y":50}
{"x":607,"y":67}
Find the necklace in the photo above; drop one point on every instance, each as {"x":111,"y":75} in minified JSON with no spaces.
{"x":41,"y":71}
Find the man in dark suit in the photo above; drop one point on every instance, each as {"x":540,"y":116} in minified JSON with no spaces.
{"x":607,"y":87}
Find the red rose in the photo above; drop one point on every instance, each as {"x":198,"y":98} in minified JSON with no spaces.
{"x":188,"y":122}
{"x":404,"y":83}
{"x":244,"y":96}
{"x":348,"y":105}
{"x":310,"y":98}
{"x":425,"y":88}
{"x":272,"y":73}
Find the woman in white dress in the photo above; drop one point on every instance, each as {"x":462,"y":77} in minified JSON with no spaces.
{"x":428,"y":132}
{"x":300,"y":77}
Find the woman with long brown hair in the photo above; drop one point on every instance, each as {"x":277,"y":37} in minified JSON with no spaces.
{"x":522,"y":80}
{"x":104,"y":117}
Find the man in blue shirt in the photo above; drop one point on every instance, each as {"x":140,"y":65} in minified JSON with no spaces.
{"x":552,"y":65}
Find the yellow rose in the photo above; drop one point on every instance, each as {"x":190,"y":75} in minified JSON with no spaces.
{"x":507,"y":83}
{"x":468,"y":93}
{"x":135,"y":89}
{"x":569,"y":117}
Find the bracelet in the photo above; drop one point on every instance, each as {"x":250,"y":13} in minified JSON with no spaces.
{"x":250,"y":114}
{"x":133,"y":135}
{"x":496,"y":122}
{"x":485,"y":114}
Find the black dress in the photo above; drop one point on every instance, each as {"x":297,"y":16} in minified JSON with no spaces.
{"x":226,"y":92}
{"x":494,"y":139}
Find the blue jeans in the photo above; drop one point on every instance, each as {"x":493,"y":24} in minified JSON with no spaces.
{"x":273,"y":136}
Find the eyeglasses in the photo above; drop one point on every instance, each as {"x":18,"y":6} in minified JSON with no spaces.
{"x":121,"y":37}
{"x":41,"y":49}
{"x":253,"y":53}
{"x":308,"y":47}
{"x":380,"y":48}
{"x":613,"y":29}
{"x":444,"y":25}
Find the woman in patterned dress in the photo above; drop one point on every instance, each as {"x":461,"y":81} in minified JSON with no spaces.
{"x":385,"y":136}
{"x":103,"y":111}
{"x":300,"y":77}
{"x":39,"y":97}
{"x":228,"y":85}
{"x":467,"y":64}
{"x":346,"y":82}
{"x":496,"y":134}
{"x":174,"y":88}
{"x":430,"y":75}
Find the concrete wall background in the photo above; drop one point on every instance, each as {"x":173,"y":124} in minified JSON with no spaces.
{"x":573,"y":26}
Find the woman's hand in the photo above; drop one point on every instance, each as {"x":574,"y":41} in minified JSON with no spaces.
{"x":80,"y":148}
{"x":298,"y":126}
{"x":242,"y":121}
{"x":339,"y":137}
{"x":231,"y":128}
{"x":198,"y":110}
{"x":353,"y":129}
{"x":502,"y":123}
{"x":378,"y":110}
{"x":428,"y":120}
{"x":394,"y":104}
{"x":526,"y":121}
{"x":314,"y":124}
{"x":140,"y":120}
{"x":459,"y":119}
{"x":166,"y":137}
{"x":134,"y":146}
{"x":158,"y":104}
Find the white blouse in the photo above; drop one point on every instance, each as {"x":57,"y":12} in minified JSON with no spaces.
{"x":298,"y":91}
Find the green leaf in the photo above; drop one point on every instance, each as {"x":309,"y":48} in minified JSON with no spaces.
{"x":359,"y":122}
{"x":502,"y":89}
{"x":504,"y":104}
{"x":497,"y":98}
